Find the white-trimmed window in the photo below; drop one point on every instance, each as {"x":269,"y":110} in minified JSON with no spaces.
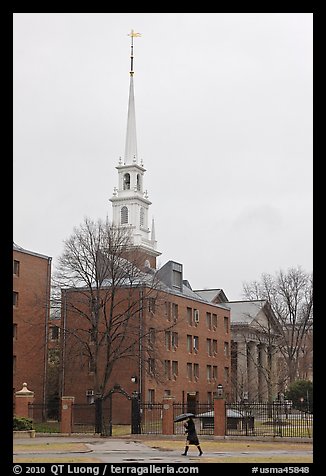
{"x":124,"y":215}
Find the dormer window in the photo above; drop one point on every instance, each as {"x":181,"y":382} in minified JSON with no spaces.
{"x":126,"y":182}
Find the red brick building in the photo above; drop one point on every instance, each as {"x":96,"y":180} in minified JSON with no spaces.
{"x":185,"y":352}
{"x":31,"y":298}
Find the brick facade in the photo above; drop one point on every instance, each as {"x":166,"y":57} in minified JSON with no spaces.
{"x":31,"y":294}
{"x":187,"y":366}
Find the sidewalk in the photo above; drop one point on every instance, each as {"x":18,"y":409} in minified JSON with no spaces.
{"x":83,"y":449}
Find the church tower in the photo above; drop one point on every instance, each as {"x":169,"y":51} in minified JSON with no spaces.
{"x":130,"y":203}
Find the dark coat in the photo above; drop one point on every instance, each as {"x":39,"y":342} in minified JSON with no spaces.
{"x":192,"y":437}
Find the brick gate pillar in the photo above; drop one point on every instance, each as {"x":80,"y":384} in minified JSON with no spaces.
{"x":219,"y":416}
{"x":22,"y":399}
{"x":66,"y":414}
{"x":167,"y":417}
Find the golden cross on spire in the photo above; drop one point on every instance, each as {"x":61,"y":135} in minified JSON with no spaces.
{"x":133,"y":34}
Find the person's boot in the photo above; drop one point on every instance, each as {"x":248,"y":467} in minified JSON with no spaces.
{"x":185,"y":451}
{"x":200,"y":451}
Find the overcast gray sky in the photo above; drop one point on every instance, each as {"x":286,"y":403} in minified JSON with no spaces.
{"x":224,"y":127}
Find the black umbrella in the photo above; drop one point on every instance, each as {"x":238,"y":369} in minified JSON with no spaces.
{"x":184,"y":416}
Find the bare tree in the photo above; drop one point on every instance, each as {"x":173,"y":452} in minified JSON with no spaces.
{"x":106,"y":293}
{"x":290,"y":295}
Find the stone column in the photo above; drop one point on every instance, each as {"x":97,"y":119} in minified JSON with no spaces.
{"x":66,"y":422}
{"x":242,"y":369}
{"x":274,"y":355}
{"x":22,"y":399}
{"x":219,"y":417}
{"x":252,"y":372}
{"x":167,"y":417}
{"x":263,"y":373}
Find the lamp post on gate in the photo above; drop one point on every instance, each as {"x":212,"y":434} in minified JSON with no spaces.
{"x":220,"y":391}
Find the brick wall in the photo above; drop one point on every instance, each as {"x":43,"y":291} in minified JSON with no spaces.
{"x":77,"y":379}
{"x":31,"y":283}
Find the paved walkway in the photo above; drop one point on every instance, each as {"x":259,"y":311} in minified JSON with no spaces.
{"x":121,"y":450}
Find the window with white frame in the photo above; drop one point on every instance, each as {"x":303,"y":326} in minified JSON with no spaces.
{"x":124,"y":215}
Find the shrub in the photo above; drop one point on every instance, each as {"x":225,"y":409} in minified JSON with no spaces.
{"x":21,"y":423}
{"x":301,"y":394}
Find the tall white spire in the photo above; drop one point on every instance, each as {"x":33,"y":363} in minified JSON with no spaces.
{"x":130,"y":203}
{"x":131,"y":138}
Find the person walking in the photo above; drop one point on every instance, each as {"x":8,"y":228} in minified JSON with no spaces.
{"x":192,"y":438}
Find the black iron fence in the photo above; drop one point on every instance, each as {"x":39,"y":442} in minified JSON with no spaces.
{"x":151,"y":418}
{"x":267,"y":419}
{"x":242,"y":419}
{"x":83,"y":418}
{"x":41,"y":413}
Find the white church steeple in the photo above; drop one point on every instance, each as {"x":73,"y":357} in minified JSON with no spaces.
{"x":130,"y":204}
